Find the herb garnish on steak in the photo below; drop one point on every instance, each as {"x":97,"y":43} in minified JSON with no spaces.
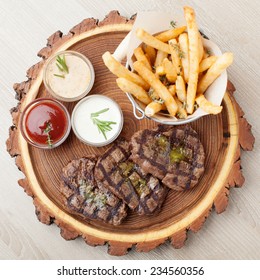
{"x":142,"y":192}
{"x":175,"y":155}
{"x":88,"y":198}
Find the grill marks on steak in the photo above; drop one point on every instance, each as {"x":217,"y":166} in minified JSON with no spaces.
{"x":143,"y":193}
{"x":173,"y":154}
{"x":88,"y":198}
{"x":134,"y":173}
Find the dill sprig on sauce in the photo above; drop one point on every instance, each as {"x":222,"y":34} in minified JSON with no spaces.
{"x":102,"y":125}
{"x":60,"y":76}
{"x":47,"y":131}
{"x":62,"y":66}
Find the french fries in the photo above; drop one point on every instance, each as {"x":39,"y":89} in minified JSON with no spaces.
{"x":140,"y":56}
{"x":181,"y":112}
{"x":158,"y":86}
{"x":172,"y":89}
{"x":184,"y":47}
{"x":176,"y":55}
{"x":120,"y":71}
{"x":134,"y":89}
{"x":159,"y":58}
{"x":156,"y":105}
{"x":169,"y":69}
{"x":152,"y":41}
{"x":193,"y":36}
{"x":181,"y":89}
{"x":170,"y":34}
{"x":160,"y":70}
{"x":153,"y":108}
{"x":214,"y":71}
{"x":201,"y":48}
{"x":172,"y":70}
{"x":151,"y":53}
{"x":206,"y":63}
{"x":207,"y":106}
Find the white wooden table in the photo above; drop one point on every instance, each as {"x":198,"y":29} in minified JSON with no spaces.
{"x":24,"y":28}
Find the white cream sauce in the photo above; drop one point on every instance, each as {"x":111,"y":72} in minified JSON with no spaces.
{"x":75,"y":82}
{"x":83,"y":123}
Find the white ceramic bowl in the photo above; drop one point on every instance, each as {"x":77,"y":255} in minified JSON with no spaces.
{"x":74,"y":85}
{"x":84,"y":127}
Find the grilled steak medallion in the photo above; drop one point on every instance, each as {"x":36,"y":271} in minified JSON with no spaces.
{"x":86,"y":197}
{"x":173,"y":154}
{"x":141,"y":192}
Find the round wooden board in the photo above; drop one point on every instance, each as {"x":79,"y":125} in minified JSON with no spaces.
{"x":221,"y":135}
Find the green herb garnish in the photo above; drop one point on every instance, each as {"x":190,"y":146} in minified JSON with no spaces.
{"x":173,"y":23}
{"x":208,"y":52}
{"x":103,"y":126}
{"x":60,"y":76}
{"x":151,"y":92}
{"x":142,"y":188}
{"x":61,"y":64}
{"x":126,"y":167}
{"x":162,"y":141}
{"x":160,"y":100}
{"x":87,"y":191}
{"x":180,"y":53}
{"x":162,"y":78}
{"x":196,"y":106}
{"x":154,"y":96}
{"x":47,"y":131}
{"x":178,"y":154}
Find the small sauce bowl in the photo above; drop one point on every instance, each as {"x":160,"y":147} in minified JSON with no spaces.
{"x":97,"y":120}
{"x":68,"y":76}
{"x":45,"y":123}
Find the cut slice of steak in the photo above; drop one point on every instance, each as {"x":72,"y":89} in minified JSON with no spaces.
{"x":85,"y":197}
{"x":173,"y":154}
{"x":142,"y":192}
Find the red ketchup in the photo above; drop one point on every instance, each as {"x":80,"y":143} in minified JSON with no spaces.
{"x":46,"y":123}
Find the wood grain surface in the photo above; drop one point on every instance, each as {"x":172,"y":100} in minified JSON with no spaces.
{"x":27,"y":245}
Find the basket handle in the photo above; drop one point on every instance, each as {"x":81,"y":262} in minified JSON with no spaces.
{"x":140,"y":115}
